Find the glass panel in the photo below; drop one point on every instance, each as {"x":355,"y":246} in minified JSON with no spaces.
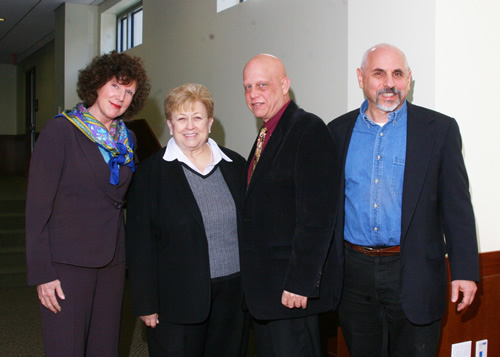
{"x":119,"y":44}
{"x":123,"y":38}
{"x":137,"y":28}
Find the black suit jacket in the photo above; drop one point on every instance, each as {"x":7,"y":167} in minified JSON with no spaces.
{"x":167,"y":249}
{"x":288,"y":220}
{"x":73,"y":214}
{"x":436,"y":201}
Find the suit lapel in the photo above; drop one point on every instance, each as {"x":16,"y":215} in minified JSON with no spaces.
{"x":342,"y":144}
{"x":272,"y":146}
{"x":92,"y":155}
{"x":348,"y":129}
{"x":420,"y":140}
{"x":181,"y":188}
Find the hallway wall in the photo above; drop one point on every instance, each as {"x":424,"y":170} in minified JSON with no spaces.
{"x":7,"y":99}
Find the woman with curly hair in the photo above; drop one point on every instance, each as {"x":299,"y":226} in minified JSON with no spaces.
{"x":80,"y":170}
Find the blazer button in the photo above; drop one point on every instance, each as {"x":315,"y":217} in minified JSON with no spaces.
{"x":118,"y":205}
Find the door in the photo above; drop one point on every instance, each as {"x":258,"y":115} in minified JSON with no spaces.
{"x":31,"y":109}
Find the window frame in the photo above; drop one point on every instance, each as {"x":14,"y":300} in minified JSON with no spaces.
{"x":125,"y":39}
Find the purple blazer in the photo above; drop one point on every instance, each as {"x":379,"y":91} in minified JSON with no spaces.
{"x":73,"y":214}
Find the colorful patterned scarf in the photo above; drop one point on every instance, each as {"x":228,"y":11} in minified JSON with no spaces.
{"x":115,"y":141}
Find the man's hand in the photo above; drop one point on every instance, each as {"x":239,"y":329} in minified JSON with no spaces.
{"x":47,"y":295}
{"x":292,"y":300}
{"x":150,"y":320}
{"x":468,"y":288}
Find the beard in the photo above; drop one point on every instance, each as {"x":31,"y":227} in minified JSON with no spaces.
{"x":391,"y":107}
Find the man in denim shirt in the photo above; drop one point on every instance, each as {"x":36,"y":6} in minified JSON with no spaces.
{"x":406,"y":187}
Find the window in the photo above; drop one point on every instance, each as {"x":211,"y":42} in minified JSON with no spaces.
{"x":129,"y":28}
{"x":226,"y":4}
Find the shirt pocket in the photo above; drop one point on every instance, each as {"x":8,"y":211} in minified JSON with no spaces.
{"x":397,"y":177}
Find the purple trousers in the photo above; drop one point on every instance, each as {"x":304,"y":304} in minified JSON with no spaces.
{"x":89,"y":321}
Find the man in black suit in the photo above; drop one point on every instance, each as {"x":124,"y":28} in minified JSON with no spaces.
{"x":405,"y":187}
{"x":287,"y":259}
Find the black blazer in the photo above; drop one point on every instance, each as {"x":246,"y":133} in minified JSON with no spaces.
{"x":167,"y":249}
{"x":73,"y":214}
{"x":288,"y":220}
{"x":436,"y":201}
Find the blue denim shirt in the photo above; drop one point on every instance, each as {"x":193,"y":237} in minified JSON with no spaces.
{"x":374,"y":173}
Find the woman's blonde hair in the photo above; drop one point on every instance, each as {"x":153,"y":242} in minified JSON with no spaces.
{"x":186,"y":96}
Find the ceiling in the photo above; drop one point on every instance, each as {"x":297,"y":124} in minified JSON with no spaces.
{"x":28,"y":26}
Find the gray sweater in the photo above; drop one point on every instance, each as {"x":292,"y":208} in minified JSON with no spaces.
{"x":218,"y":210}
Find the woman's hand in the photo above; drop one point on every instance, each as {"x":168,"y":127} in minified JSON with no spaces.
{"x":47,"y":295}
{"x":150,"y":320}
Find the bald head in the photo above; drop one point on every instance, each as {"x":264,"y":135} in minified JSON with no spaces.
{"x":266,"y":85}
{"x":272,"y":63}
{"x":383,"y":47}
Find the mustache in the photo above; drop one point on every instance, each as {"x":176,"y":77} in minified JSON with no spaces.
{"x":387,"y":90}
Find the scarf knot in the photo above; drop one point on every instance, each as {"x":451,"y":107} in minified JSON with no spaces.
{"x":116,"y":141}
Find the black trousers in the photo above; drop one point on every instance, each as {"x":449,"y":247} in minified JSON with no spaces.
{"x":223,"y":334}
{"x":298,"y":337}
{"x":371,"y":316}
{"x":89,"y":321}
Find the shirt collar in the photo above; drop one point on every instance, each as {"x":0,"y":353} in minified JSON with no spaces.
{"x":271,"y":123}
{"x":173,"y":152}
{"x":394,"y":117}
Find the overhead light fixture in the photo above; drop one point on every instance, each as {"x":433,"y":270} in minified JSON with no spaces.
{"x":2,"y":19}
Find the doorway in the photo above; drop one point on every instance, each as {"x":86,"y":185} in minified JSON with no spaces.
{"x":31,"y":109}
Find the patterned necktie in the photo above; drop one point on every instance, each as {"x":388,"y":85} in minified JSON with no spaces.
{"x":258,"y":149}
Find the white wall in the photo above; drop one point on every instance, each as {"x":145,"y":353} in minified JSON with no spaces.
{"x":8,"y":110}
{"x":467,"y":88}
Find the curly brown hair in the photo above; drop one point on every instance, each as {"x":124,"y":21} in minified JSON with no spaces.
{"x":126,"y":69}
